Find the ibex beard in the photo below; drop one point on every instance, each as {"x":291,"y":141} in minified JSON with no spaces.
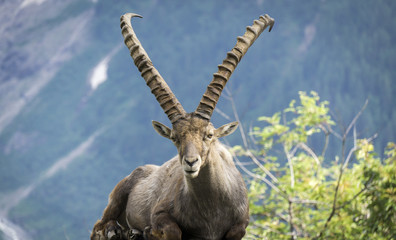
{"x":199,"y":194}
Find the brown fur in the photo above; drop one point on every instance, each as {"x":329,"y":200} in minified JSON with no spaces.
{"x":199,"y":194}
{"x":167,"y":202}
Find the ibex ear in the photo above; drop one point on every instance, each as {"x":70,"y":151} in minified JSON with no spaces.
{"x":226,"y":129}
{"x":162,"y":129}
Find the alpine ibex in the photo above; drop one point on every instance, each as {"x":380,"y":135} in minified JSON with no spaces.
{"x":198,"y":194}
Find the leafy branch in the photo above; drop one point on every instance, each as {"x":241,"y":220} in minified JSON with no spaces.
{"x":294,"y":192}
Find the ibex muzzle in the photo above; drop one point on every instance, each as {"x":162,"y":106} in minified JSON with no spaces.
{"x":199,"y":194}
{"x":191,"y":159}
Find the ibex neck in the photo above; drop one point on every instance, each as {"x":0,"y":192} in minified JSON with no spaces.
{"x":217,"y":179}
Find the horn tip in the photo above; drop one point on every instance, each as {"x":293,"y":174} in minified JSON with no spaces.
{"x":268,"y":20}
{"x":131,"y":15}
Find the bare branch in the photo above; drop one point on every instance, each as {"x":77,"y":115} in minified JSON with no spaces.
{"x":236,"y":116}
{"x":355,"y":119}
{"x":268,"y":182}
{"x":261,"y":166}
{"x":355,"y":147}
{"x":354,"y":136}
{"x":289,"y":160}
{"x":333,"y":210}
{"x":306,"y":201}
{"x":251,"y":136}
{"x":245,"y":163}
{"x":224,"y":115}
{"x":310,"y":152}
{"x":343,"y":166}
{"x":353,"y":198}
{"x":272,"y":215}
{"x":243,"y":135}
{"x":294,"y":150}
{"x":291,"y":221}
{"x":334,"y":132}
{"x":372,"y":137}
{"x":349,"y":156}
{"x":327,"y":133}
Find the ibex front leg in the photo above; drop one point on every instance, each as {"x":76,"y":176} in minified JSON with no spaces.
{"x":236,"y":232}
{"x":107,"y":227}
{"x":163,"y":228}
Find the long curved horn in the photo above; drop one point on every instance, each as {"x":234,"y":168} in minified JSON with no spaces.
{"x":220,"y":78}
{"x":168,"y":101}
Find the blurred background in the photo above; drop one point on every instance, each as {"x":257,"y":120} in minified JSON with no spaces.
{"x":75,"y":115}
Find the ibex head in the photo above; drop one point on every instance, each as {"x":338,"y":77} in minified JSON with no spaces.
{"x":193,"y":137}
{"x":192,"y":133}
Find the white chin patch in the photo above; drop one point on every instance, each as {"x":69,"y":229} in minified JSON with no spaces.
{"x":191,"y":174}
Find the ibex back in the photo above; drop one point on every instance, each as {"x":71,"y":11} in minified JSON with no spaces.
{"x":199,"y":194}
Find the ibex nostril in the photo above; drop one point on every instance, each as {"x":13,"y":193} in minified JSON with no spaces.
{"x":191,"y":162}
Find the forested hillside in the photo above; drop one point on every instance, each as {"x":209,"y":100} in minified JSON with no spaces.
{"x":75,"y":115}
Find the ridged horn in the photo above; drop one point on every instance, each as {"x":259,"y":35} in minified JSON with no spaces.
{"x":220,"y":78}
{"x":168,"y":101}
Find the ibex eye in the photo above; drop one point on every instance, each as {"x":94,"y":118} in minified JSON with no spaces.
{"x":173,"y":138}
{"x":209,"y":136}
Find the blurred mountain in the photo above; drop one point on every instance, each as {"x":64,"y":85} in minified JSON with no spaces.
{"x":75,"y":115}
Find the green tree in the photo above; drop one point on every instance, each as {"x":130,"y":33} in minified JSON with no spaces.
{"x":296,"y":191}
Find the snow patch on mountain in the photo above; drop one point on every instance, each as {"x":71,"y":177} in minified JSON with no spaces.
{"x":99,"y":72}
{"x":31,"y":2}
